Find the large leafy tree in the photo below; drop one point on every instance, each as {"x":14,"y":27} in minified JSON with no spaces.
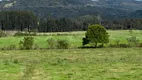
{"x":96,"y":34}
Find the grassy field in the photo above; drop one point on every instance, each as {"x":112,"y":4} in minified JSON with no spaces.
{"x":75,"y":38}
{"x":72,"y":64}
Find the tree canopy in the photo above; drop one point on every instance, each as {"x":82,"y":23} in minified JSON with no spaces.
{"x":96,"y":34}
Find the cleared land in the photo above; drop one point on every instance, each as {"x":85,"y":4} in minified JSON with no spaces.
{"x":75,"y":38}
{"x":72,"y":64}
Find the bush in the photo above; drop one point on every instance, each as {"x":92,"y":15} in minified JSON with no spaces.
{"x":62,"y":44}
{"x":27,"y":43}
{"x":11,"y":47}
{"x":2,"y":34}
{"x":119,"y":45}
{"x":133,"y":41}
{"x":124,"y":45}
{"x":140,"y":45}
{"x":51,"y":43}
{"x":113,"y":45}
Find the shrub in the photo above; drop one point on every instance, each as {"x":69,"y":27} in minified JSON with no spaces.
{"x":51,"y":43}
{"x":26,"y":43}
{"x":113,"y":45}
{"x":119,"y":45}
{"x":140,"y":45}
{"x":16,"y":61}
{"x":62,"y":44}
{"x":2,"y":34}
{"x":11,"y":47}
{"x":124,"y":45}
{"x":133,"y":41}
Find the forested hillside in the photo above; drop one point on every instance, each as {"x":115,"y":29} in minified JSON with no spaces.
{"x":107,"y":9}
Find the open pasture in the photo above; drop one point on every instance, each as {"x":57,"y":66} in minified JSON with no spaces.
{"x":74,"y":38}
{"x":72,"y":64}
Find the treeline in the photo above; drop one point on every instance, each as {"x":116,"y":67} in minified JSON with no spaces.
{"x":82,"y":23}
{"x":66,"y":24}
{"x":56,"y":25}
{"x":123,"y":24}
{"x":17,"y":20}
{"x":20,"y":20}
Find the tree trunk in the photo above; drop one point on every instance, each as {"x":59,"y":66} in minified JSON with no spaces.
{"x":102,"y":44}
{"x":29,"y":29}
{"x":21,"y":28}
{"x":2,"y":25}
{"x":95,"y":44}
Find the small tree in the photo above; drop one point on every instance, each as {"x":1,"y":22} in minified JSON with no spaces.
{"x":96,"y":34}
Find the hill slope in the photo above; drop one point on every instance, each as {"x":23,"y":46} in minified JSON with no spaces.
{"x":108,"y":9}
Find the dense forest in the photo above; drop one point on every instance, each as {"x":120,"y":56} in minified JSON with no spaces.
{"x":20,"y":20}
{"x":107,"y":9}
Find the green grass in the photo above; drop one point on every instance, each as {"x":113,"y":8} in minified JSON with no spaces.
{"x":72,"y":64}
{"x":123,"y":34}
{"x":75,"y":38}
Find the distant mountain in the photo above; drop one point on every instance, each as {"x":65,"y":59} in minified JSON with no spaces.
{"x":107,"y":9}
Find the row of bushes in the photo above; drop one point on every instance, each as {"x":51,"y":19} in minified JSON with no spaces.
{"x":28,"y":43}
{"x":60,"y":44}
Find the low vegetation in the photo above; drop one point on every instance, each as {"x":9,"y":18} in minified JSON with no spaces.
{"x":26,"y":43}
{"x":117,"y":39}
{"x":57,"y":57}
{"x":58,"y":44}
{"x":2,"y":34}
{"x":72,"y":64}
